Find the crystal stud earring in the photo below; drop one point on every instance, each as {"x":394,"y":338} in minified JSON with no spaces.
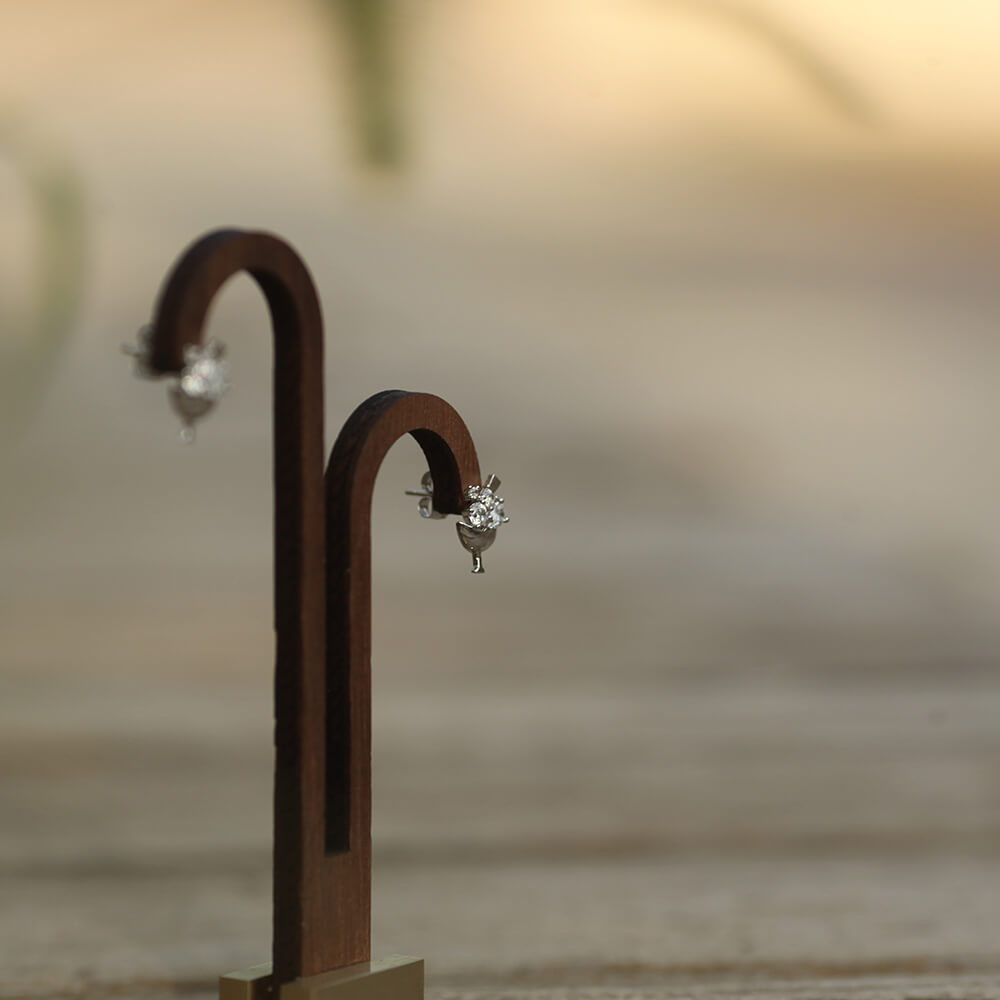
{"x":482,"y":513}
{"x":199,"y":385}
{"x":203,"y":381}
{"x":426,"y":494}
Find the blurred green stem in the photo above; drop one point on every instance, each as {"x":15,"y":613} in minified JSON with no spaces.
{"x":56,"y":195}
{"x":370,"y":30}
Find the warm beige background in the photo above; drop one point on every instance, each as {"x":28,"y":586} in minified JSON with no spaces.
{"x":725,"y":704}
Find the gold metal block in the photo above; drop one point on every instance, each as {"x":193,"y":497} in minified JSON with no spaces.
{"x":247,"y":984}
{"x":398,"y":977}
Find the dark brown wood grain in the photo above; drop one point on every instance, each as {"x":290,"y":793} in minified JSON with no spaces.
{"x":322,"y":590}
{"x":299,"y":536}
{"x":343,"y":876}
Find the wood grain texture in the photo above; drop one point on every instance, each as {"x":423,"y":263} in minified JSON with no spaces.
{"x":322,"y":784}
{"x":299,"y":539}
{"x":340,"y":879}
{"x":770,"y":837}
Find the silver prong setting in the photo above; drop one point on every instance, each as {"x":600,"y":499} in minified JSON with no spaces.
{"x":481,"y":516}
{"x":199,"y":386}
{"x":195,"y":390}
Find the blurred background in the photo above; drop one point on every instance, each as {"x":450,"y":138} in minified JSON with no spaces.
{"x":712,"y":283}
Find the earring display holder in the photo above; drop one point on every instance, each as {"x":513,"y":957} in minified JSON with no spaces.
{"x":322,"y":606}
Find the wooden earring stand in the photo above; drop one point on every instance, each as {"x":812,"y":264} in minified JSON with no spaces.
{"x":322,"y":606}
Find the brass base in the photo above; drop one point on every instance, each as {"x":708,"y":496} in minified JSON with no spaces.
{"x":398,"y":977}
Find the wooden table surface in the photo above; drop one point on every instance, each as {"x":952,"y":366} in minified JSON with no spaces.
{"x":565,"y":833}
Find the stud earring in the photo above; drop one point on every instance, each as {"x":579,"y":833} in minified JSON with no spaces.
{"x":482,"y":514}
{"x":200,"y":384}
{"x":203,"y":381}
{"x":142,"y":352}
{"x":426,"y":494}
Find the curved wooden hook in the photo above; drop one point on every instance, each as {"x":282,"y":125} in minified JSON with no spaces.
{"x":322,"y":568}
{"x":299,"y":529}
{"x":337,"y":926}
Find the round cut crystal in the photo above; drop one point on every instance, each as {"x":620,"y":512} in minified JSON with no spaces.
{"x":495,"y":516}
{"x":478,"y":515}
{"x":484,"y":510}
{"x":207,"y":378}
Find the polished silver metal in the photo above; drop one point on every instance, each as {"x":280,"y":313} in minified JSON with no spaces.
{"x":202,"y":382}
{"x":482,"y":514}
{"x":426,"y":494}
{"x":141,"y":351}
{"x":476,"y":542}
{"x":194,"y":391}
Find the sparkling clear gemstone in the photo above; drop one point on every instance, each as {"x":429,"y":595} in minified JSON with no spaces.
{"x":478,"y":515}
{"x":207,"y":378}
{"x":484,"y":509}
{"x":495,"y":516}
